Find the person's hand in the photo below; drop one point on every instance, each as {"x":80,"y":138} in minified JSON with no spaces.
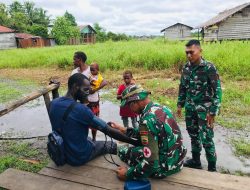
{"x":121,"y":172}
{"x":179,"y":112}
{"x":117,"y":126}
{"x":92,"y":91}
{"x":210,"y":120}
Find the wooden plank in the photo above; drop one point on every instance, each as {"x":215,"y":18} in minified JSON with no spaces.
{"x":211,"y":180}
{"x":27,"y":98}
{"x":101,"y":180}
{"x":187,"y":177}
{"x":20,"y":180}
{"x":98,"y":177}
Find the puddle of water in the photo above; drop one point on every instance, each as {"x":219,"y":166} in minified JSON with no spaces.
{"x":32,"y":120}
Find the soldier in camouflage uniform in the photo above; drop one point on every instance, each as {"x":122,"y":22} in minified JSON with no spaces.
{"x":200,"y":93}
{"x":162,"y":152}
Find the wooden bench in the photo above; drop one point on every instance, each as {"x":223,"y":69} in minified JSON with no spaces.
{"x":99,"y":174}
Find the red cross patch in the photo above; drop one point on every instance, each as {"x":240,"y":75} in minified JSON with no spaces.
{"x":146,"y":152}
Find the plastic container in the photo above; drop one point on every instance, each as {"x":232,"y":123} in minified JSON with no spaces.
{"x":137,"y":185}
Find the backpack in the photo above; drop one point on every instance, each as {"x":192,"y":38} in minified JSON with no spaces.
{"x":55,"y":145}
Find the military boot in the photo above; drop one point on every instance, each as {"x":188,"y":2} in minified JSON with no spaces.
{"x":211,"y":166}
{"x":195,"y":162}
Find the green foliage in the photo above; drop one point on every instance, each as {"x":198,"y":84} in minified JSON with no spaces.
{"x":16,"y":7}
{"x":24,"y":17}
{"x":4,"y":19}
{"x":242,"y":147}
{"x":100,"y":33}
{"x":63,"y":30}
{"x":231,"y":58}
{"x":19,"y":22}
{"x":12,"y":90}
{"x":16,"y":152}
{"x":39,"y":30}
{"x":70,"y":18}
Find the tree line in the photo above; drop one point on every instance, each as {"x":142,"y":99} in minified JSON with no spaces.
{"x":26,"y":17}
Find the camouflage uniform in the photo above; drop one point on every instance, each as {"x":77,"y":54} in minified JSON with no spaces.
{"x":162,"y":152}
{"x":200,"y":93}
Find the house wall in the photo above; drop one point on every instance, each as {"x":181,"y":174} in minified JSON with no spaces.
{"x":7,"y":40}
{"x":236,"y":27}
{"x":177,"y":32}
{"x":211,"y":33}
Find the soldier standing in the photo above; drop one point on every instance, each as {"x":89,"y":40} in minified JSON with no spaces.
{"x":200,"y":93}
{"x":162,"y":152}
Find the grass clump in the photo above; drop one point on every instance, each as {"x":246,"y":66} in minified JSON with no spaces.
{"x":242,"y":147}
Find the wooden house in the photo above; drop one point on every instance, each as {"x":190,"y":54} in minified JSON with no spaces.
{"x":231,"y":24}
{"x":7,"y":38}
{"x":88,"y":34}
{"x":177,"y":31}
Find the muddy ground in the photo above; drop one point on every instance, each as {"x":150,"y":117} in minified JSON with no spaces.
{"x":31,"y":120}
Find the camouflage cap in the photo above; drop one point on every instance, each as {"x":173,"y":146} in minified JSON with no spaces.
{"x":133,"y":93}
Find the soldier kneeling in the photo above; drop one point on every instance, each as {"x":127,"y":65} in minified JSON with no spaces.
{"x":162,"y":151}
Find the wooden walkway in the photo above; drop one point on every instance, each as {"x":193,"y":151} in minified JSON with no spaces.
{"x":99,"y":174}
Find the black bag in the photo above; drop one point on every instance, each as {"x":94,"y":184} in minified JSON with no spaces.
{"x":55,"y":145}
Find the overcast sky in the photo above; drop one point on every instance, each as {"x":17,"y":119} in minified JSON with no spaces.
{"x":137,"y":17}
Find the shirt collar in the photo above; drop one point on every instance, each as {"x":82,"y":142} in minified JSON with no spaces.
{"x":202,"y":63}
{"x":147,"y":107}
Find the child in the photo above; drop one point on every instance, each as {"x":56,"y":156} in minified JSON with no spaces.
{"x":97,"y":82}
{"x":125,"y":111}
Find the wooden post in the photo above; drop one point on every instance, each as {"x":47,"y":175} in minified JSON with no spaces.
{"x":28,"y":98}
{"x":47,"y":101}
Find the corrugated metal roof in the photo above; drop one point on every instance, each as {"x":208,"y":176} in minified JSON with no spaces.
{"x":25,"y":36}
{"x":175,"y":25}
{"x":4,"y":29}
{"x":223,"y":15}
{"x":81,"y":27}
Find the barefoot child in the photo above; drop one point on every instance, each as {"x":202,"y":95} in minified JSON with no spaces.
{"x":97,"y":82}
{"x":125,"y":111}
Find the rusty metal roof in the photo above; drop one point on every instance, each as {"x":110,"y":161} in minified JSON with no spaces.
{"x":223,"y":15}
{"x":175,"y":25}
{"x":25,"y":36}
{"x":4,"y":29}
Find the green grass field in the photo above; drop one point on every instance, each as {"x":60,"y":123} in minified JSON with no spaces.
{"x":231,"y":58}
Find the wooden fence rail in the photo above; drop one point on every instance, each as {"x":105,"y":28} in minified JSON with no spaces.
{"x":42,"y":92}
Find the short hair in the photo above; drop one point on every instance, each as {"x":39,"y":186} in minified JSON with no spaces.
{"x":193,"y":42}
{"x":128,"y":73}
{"x":78,"y":79}
{"x":81,"y":55}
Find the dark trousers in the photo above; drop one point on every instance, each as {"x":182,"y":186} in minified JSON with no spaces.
{"x":100,"y":148}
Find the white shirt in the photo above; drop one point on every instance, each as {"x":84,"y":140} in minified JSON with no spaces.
{"x":94,"y":97}
{"x":87,"y":72}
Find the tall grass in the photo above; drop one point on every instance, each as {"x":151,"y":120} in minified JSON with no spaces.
{"x":231,"y":58}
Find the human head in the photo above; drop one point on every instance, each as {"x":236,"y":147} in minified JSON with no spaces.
{"x":94,"y":68}
{"x":78,"y":87}
{"x":127,"y":77}
{"x":136,"y":97}
{"x":79,"y":58}
{"x":193,"y":51}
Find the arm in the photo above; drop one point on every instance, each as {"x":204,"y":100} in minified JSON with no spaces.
{"x":130,"y":132}
{"x":119,"y":92}
{"x":104,"y":83}
{"x":182,"y":93}
{"x":215,"y":85}
{"x":102,"y":126}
